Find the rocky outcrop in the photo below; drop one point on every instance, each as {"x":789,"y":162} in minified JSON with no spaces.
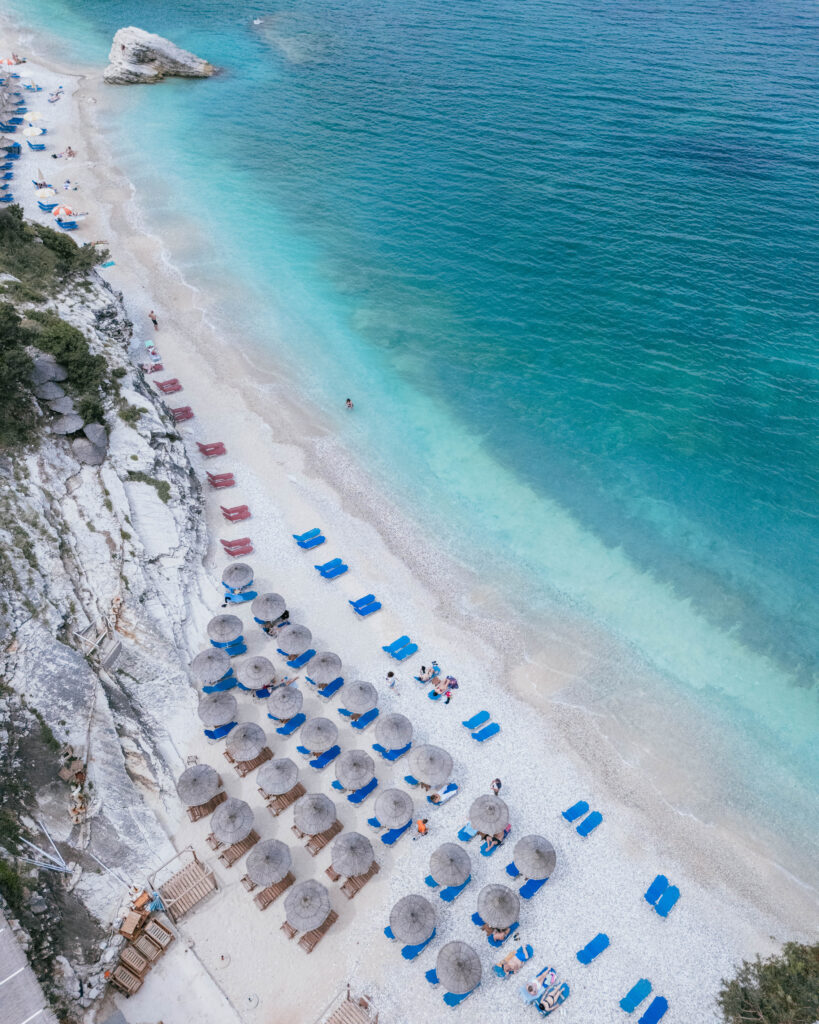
{"x":139,"y":57}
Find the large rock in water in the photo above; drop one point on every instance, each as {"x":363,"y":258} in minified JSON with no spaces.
{"x":138,"y":56}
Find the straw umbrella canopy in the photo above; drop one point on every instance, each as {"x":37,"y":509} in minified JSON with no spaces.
{"x":256,"y":673}
{"x":314,"y":813}
{"x":489,"y":814}
{"x":68,"y":424}
{"x":393,"y":731}
{"x":45,"y":193}
{"x":450,"y":864}
{"x":33,"y":115}
{"x":62,"y":406}
{"x":246,"y":741}
{"x":319,"y":734}
{"x":31,"y":132}
{"x":431,"y":765}
{"x":210,"y":665}
{"x":354,"y":769}
{"x":45,"y":368}
{"x":267,"y":607}
{"x":237,"y":575}
{"x":285,"y":702}
{"x":393,"y":808}
{"x":7,"y":143}
{"x":268,"y":862}
{"x":294,"y":639}
{"x":225,"y":628}
{"x":324,"y":668}
{"x":198,"y":784}
{"x":458,"y":968}
{"x":360,"y":697}
{"x":351,"y":854}
{"x":412,"y":919}
{"x":307,"y":905}
{"x":278,"y":777}
{"x":49,"y":390}
{"x":535,"y":857}
{"x":498,"y":905}
{"x":232,"y":821}
{"x":217,"y":709}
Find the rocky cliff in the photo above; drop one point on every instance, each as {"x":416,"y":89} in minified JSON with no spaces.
{"x":141,"y":57}
{"x":100,"y":567}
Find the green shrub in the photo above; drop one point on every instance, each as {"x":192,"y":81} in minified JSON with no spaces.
{"x":17,"y":415}
{"x":130,"y":414}
{"x":163,"y":488}
{"x":11,"y":886}
{"x":783,"y":989}
{"x":40,"y":257}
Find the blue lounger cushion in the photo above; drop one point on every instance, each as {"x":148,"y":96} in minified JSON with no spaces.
{"x":301,"y":660}
{"x":337,"y":786}
{"x":430,"y":881}
{"x":667,"y":900}
{"x":227,"y":646}
{"x":476,"y":720}
{"x":314,"y":542}
{"x":431,"y":976}
{"x":391,"y":755}
{"x":451,"y":892}
{"x":333,"y":573}
{"x":361,"y":794}
{"x":512,"y":929}
{"x":308,"y":534}
{"x":478,"y":920}
{"x":344,"y":712}
{"x":434,"y":696}
{"x":489,"y":851}
{"x":394,"y":834}
{"x":366,"y":719}
{"x":467,"y":833}
{"x":368,"y":609}
{"x":655,"y":1011}
{"x":636,"y":994}
{"x":374,"y":822}
{"x":217,"y":734}
{"x":221,"y":686}
{"x":485,"y":733}
{"x":452,"y":999}
{"x":411,"y":952}
{"x":362,"y":602}
{"x":402,"y":641}
{"x":405,"y":652}
{"x":234,"y":650}
{"x":296,"y":722}
{"x":589,"y":824}
{"x":240,"y":598}
{"x":324,"y":759}
{"x":528,"y":889}
{"x":304,"y":751}
{"x":656,"y":889}
{"x":328,"y":566}
{"x":512,"y":870}
{"x":576,"y":810}
{"x":331,"y":688}
{"x":389,"y":934}
{"x":593,"y":949}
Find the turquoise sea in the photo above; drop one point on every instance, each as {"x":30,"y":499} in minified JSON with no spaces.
{"x":564,"y":257}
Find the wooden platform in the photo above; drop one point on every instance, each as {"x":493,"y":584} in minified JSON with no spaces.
{"x":187,"y":888}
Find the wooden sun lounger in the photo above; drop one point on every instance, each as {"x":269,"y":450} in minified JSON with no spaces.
{"x":213,"y":842}
{"x":289,"y":930}
{"x":161,"y":935}
{"x":245,"y":767}
{"x":203,"y":810}
{"x":315,"y":844}
{"x":229,"y":856}
{"x":281,"y":803}
{"x":134,"y":961}
{"x":151,"y":950}
{"x":310,"y":940}
{"x":248,"y":883}
{"x":356,"y":883}
{"x":332,"y":874}
{"x":188,"y":887}
{"x":126,"y":981}
{"x":269,"y":895}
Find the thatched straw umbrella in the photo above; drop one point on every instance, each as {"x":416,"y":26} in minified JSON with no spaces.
{"x":268,"y":607}
{"x":412,"y":920}
{"x":278,"y":777}
{"x":498,"y":905}
{"x":294,"y":639}
{"x":450,"y":864}
{"x":268,"y":862}
{"x":198,"y":784}
{"x":232,"y":821}
{"x":535,"y":857}
{"x":62,"y":406}
{"x":458,"y":968}
{"x":210,"y":665}
{"x":68,"y":424}
{"x":255,"y":673}
{"x":319,"y":734}
{"x":307,"y":906}
{"x":224,"y":629}
{"x":430,"y":765}
{"x":237,"y":575}
{"x":314,"y":813}
{"x":393,"y":731}
{"x":49,"y":391}
{"x":217,"y":709}
{"x":285,"y":702}
{"x":246,"y":741}
{"x":360,"y":697}
{"x":393,"y":808}
{"x":354,"y":769}
{"x":351,"y":854}
{"x":324,"y":668}
{"x":489,"y":814}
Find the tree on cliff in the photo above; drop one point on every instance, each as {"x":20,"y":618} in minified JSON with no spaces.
{"x":783,"y":989}
{"x":16,"y":409}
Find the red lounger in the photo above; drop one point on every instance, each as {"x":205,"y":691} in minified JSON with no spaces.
{"x":233,"y":552}
{"x":240,"y":543}
{"x":182,"y":413}
{"x":236,"y":517}
{"x":208,"y":450}
{"x":230,"y":482}
{"x":235,"y":510}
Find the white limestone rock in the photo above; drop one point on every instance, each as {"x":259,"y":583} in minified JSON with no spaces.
{"x":139,"y":57}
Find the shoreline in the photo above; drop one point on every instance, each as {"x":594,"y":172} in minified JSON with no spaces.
{"x":460,"y":633}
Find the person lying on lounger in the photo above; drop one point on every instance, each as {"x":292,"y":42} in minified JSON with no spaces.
{"x":497,"y":838}
{"x":428,"y":673}
{"x":511,"y":964}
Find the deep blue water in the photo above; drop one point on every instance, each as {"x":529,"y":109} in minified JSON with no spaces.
{"x":564,"y":257}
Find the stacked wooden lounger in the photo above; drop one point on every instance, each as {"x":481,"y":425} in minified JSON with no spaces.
{"x":137,"y":958}
{"x":203,"y":810}
{"x":310,"y":940}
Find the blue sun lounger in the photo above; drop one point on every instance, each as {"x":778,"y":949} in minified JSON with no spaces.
{"x":411,"y":952}
{"x":589,"y":824}
{"x":396,"y":645}
{"x":430,"y":881}
{"x":667,"y":901}
{"x":362,"y":602}
{"x":411,"y":780}
{"x":374,"y":823}
{"x":432,"y":976}
{"x":476,"y":720}
{"x":528,"y":889}
{"x":301,"y":660}
{"x":394,"y":834}
{"x":512,"y":929}
{"x":345,"y":712}
{"x":321,"y":762}
{"x":576,"y":810}
{"x":366,"y":719}
{"x":391,"y":755}
{"x":227,"y":683}
{"x":656,"y":889}
{"x":368,"y":609}
{"x":307,"y":535}
{"x":227,"y":646}
{"x":311,"y":542}
{"x":655,"y":1011}
{"x":335,"y":567}
{"x":234,"y":650}
{"x":452,"y":999}
{"x":240,"y":598}
{"x":636,"y":994}
{"x":593,"y":949}
{"x":38,"y":146}
{"x":512,"y":870}
{"x":296,"y":722}
{"x":524,"y":955}
{"x":452,"y":892}
{"x":447,"y":793}
{"x":361,"y":795}
{"x":485,"y":733}
{"x":405,"y":652}
{"x":467,"y":833}
{"x":330,"y":689}
{"x":217,"y":734}
{"x":489,"y":851}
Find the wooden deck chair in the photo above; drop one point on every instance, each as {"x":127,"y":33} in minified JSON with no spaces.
{"x":310,"y":940}
{"x":126,"y":981}
{"x":134,"y":961}
{"x":161,"y":935}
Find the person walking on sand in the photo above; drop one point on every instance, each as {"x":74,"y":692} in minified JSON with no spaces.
{"x":496,"y":787}
{"x":153,"y":319}
{"x":392,"y":681}
{"x":421,"y":826}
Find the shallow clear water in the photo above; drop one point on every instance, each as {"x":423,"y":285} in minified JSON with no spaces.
{"x":564,"y":258}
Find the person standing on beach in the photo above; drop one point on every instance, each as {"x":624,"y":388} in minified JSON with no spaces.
{"x":153,"y":319}
{"x":496,"y":786}
{"x":392,"y":680}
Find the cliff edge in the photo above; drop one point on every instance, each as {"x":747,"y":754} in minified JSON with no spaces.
{"x":141,"y":57}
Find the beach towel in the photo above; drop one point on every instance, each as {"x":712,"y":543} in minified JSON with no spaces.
{"x":467,"y":833}
{"x":394,"y":834}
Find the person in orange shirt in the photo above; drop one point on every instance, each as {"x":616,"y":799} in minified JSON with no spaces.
{"x":421,"y":825}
